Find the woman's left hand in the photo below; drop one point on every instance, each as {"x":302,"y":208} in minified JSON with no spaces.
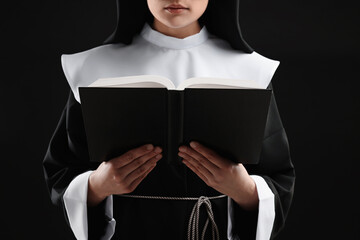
{"x":223,"y":175}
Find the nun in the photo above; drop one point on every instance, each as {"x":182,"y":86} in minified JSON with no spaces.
{"x":140,"y":195}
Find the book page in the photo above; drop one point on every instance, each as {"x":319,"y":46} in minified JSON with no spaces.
{"x":139,"y":81}
{"x":208,"y":82}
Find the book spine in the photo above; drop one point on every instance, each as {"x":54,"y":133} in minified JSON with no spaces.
{"x":181,"y":117}
{"x":169,"y":126}
{"x":174,"y":138}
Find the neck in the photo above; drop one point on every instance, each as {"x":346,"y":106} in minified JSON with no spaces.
{"x":181,"y":32}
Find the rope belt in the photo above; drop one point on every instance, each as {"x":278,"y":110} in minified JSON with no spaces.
{"x":193,"y":226}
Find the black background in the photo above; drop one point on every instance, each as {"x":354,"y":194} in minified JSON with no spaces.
{"x":317,"y":93}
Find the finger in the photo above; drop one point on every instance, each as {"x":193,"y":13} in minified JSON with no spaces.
{"x":139,"y":161}
{"x":204,"y":171}
{"x":138,"y":180}
{"x":196,"y":171}
{"x":129,"y":156}
{"x":142,"y":169}
{"x":199,"y":157}
{"x":211,"y":155}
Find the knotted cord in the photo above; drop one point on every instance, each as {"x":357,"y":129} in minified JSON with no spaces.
{"x":193,"y":226}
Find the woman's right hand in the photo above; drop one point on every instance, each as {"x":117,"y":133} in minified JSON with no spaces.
{"x":122,"y":174}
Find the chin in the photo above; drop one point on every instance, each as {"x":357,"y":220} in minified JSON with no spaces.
{"x":177,"y":23}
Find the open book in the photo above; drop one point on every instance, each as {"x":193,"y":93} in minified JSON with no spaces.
{"x":156,"y":81}
{"x":226,"y":115}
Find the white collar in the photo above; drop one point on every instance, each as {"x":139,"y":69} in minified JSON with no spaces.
{"x":162,"y":40}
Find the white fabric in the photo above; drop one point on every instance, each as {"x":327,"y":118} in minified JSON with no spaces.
{"x":199,"y":55}
{"x":75,"y":198}
{"x":266,"y":210}
{"x":75,"y":201}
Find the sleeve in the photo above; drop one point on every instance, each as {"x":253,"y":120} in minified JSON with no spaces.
{"x":66,"y":159}
{"x":75,"y":201}
{"x":275,"y":168}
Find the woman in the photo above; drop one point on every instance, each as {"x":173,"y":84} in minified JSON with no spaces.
{"x":178,"y":40}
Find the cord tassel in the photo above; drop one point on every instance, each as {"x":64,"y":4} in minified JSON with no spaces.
{"x":193,"y":226}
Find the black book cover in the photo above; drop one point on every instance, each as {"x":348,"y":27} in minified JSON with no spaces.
{"x":229,"y":121}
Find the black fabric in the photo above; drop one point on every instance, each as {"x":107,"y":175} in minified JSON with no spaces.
{"x":276,"y":168}
{"x":245,"y":223}
{"x":67,"y":157}
{"x":221,"y":19}
{"x":97,"y":221}
{"x":162,"y":219}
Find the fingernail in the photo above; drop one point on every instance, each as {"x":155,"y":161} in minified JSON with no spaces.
{"x":149,"y":146}
{"x":158,"y":150}
{"x":182,"y":149}
{"x":193,"y":144}
{"x":158,"y":156}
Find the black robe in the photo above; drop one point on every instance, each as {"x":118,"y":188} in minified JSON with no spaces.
{"x":67,"y":156}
